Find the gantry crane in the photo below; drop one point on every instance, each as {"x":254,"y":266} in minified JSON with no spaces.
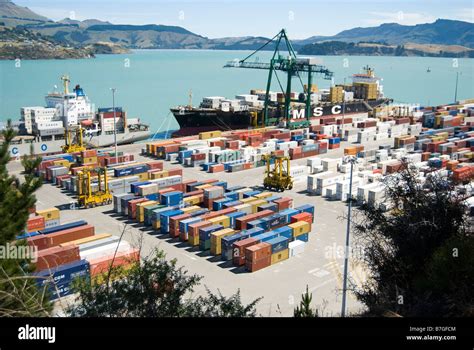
{"x":74,"y":140}
{"x":279,"y":177}
{"x":89,"y":198}
{"x":293,"y":65}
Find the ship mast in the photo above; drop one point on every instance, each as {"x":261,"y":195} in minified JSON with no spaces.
{"x":66,"y":81}
{"x":190,"y":101}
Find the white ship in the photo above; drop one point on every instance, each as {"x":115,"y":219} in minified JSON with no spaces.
{"x":44,"y":128}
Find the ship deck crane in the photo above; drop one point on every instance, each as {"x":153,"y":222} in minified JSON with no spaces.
{"x":279,"y":177}
{"x":89,"y":198}
{"x":293,"y":65}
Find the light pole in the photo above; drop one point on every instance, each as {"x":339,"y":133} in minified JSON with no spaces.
{"x":456,"y":89}
{"x":114,"y":90}
{"x":352,"y":161}
{"x":343,"y":108}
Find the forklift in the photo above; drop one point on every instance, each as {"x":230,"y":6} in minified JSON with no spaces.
{"x":279,"y":177}
{"x":74,"y":140}
{"x":89,"y":198}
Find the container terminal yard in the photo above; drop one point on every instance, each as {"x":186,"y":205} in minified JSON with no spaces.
{"x":202,"y":200}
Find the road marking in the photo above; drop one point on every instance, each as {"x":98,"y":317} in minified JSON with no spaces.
{"x":313,"y":270}
{"x":190,"y":257}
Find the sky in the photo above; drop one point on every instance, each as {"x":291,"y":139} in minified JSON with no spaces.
{"x":222,"y":18}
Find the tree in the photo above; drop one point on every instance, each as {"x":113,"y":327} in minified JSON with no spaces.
{"x":305,"y":309}
{"x":419,"y":253}
{"x":19,"y":295}
{"x":155,"y":287}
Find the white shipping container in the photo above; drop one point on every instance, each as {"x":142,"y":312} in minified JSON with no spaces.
{"x":296,"y":247}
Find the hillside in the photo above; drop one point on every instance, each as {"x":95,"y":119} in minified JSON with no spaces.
{"x":440,"y":32}
{"x":382,"y":49}
{"x":24,"y":44}
{"x":12,"y":15}
{"x":430,"y":39}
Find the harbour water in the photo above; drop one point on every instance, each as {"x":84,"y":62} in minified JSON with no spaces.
{"x":150,"y":82}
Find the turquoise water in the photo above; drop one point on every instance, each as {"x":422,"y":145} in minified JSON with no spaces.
{"x":150,"y":82}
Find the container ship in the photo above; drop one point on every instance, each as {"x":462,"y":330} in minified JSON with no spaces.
{"x":44,"y":128}
{"x":362,"y":97}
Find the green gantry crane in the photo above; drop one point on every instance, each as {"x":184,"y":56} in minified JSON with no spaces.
{"x":293,"y":65}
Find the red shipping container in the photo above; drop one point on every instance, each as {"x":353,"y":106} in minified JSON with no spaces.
{"x":225,"y":211}
{"x":241,"y":223}
{"x":40,"y":242}
{"x":198,"y":156}
{"x":194,"y":193}
{"x":209,"y":181}
{"x":253,"y":266}
{"x":89,"y":153}
{"x":174,"y":224}
{"x":69,"y":235}
{"x":334,"y":145}
{"x":283,"y":203}
{"x":178,"y":187}
{"x":295,"y":150}
{"x":238,"y":249}
{"x":155,"y":165}
{"x":216,"y":168}
{"x":103,"y":264}
{"x":56,"y":256}
{"x":132,"y":207}
{"x":35,"y":223}
{"x":304,"y":216}
{"x":193,"y":229}
{"x":258,"y":251}
{"x":176,"y":171}
{"x":219,"y":143}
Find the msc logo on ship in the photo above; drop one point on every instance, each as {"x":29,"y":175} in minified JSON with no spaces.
{"x":14,"y":150}
{"x":317,"y":112}
{"x":44,"y":147}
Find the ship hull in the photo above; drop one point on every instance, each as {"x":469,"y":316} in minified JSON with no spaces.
{"x":193,"y":121}
{"x":55,"y":146}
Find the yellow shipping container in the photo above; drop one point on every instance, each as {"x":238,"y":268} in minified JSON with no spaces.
{"x":256,"y":204}
{"x":191,"y":209}
{"x":62,"y":162}
{"x":156,"y":224}
{"x":141,"y":209}
{"x":300,"y":228}
{"x":89,"y":160}
{"x":209,"y":134}
{"x":159,"y":174}
{"x":193,"y":240}
{"x":87,"y":239}
{"x":202,"y":187}
{"x":222,"y":220}
{"x":263,"y":195}
{"x":49,"y":214}
{"x":280,"y":256}
{"x":143,"y":176}
{"x":116,"y":274}
{"x":246,"y":208}
{"x":192,"y":200}
{"x":248,"y":200}
{"x":216,"y":239}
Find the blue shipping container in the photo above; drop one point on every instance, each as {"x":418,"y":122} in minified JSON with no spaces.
{"x":264,"y":237}
{"x":303,"y":238}
{"x":285,"y":231}
{"x":172,"y":198}
{"x":63,"y":227}
{"x":278,"y":243}
{"x":134,"y":186}
{"x":308,"y":208}
{"x":165,"y":219}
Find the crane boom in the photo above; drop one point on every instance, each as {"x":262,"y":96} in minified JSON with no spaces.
{"x":290,"y":64}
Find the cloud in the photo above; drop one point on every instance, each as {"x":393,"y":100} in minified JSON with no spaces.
{"x":401,"y":17}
